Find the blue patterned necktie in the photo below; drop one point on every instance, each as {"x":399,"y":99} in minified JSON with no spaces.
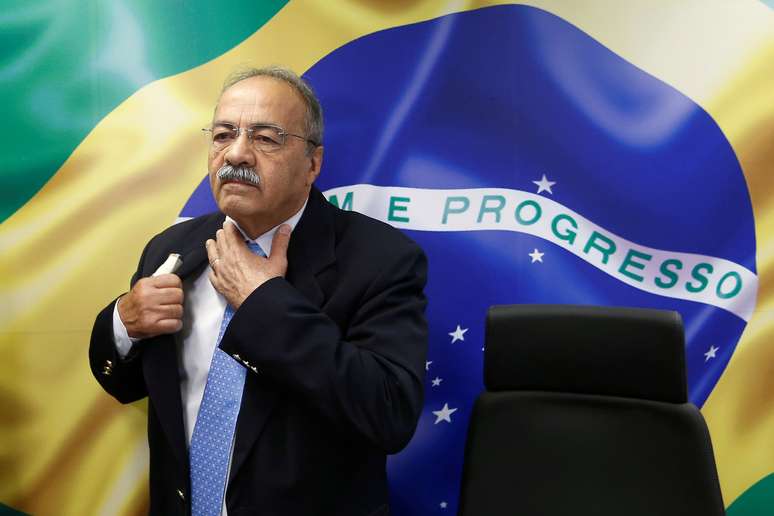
{"x":213,"y":433}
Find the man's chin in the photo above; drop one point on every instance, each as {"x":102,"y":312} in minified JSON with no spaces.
{"x":239,"y":202}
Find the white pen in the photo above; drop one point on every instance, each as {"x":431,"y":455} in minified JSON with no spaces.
{"x":172,"y":264}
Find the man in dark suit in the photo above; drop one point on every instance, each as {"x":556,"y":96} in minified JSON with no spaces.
{"x":327,"y":331}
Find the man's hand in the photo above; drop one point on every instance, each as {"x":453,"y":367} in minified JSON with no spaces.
{"x":153,"y":307}
{"x":236,"y":271}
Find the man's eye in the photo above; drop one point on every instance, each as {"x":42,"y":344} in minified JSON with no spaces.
{"x":223,"y":136}
{"x":264,"y":138}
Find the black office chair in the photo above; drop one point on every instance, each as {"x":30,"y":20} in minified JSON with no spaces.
{"x":585,"y":413}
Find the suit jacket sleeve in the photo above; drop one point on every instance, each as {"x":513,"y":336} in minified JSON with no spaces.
{"x":122,"y":378}
{"x":366,"y":378}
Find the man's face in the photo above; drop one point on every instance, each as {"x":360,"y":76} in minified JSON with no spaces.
{"x":286,"y":175}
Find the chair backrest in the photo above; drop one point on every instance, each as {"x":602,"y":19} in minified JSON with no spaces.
{"x":585,"y":413}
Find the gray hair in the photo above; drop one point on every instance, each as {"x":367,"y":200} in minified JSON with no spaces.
{"x":314,"y":115}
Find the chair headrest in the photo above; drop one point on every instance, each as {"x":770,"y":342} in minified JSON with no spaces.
{"x":627,"y":352}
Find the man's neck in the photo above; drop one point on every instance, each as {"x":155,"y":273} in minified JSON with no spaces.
{"x":253,"y":229}
{"x":264,"y":237}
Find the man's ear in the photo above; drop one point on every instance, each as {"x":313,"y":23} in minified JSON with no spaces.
{"x":315,"y":164}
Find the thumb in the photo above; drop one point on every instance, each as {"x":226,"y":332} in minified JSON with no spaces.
{"x":279,"y":244}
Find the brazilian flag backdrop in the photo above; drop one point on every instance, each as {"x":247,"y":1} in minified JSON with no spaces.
{"x":590,"y":152}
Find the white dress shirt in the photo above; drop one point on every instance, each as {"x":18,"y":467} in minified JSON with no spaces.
{"x":203,"y":309}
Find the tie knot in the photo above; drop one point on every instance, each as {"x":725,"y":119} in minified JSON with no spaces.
{"x":255,"y":248}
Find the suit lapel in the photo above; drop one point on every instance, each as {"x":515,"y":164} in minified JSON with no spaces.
{"x":192,"y":250}
{"x":160,"y":361}
{"x":312,"y":249}
{"x":310,"y":256}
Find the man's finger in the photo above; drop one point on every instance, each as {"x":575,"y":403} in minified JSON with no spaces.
{"x":223,"y":244}
{"x":166,"y":281}
{"x":169,"y":296}
{"x":171,"y":311}
{"x":212,"y":251}
{"x":231,"y":234}
{"x":169,"y":326}
{"x":213,"y":279}
{"x":280,"y":242}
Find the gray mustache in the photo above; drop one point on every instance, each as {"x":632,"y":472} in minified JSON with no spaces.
{"x":241,"y":174}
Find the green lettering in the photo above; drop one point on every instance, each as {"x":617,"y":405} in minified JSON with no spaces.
{"x":696,"y":274}
{"x":348,"y":199}
{"x":734,"y":291}
{"x":669,"y":273}
{"x":628,"y":261}
{"x":491,"y":209}
{"x":606,"y":251}
{"x":464,"y":202}
{"x":568,"y":235}
{"x":394,"y":206}
{"x":535,"y":206}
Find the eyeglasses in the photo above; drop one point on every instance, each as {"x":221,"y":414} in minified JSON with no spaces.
{"x":265,"y":137}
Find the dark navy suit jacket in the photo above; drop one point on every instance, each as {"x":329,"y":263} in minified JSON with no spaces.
{"x":339,"y":346}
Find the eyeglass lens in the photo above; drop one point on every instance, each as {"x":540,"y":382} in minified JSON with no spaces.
{"x":264,"y":138}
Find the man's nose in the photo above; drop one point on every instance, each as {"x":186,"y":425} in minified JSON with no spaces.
{"x":240,"y":153}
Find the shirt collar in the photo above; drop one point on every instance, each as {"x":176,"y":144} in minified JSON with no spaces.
{"x":264,"y":240}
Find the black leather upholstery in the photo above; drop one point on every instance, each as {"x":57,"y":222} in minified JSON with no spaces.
{"x":630,"y":352}
{"x":585,"y":413}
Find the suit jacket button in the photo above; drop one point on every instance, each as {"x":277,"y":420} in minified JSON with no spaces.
{"x":108,"y":363}
{"x":107,"y":371}
{"x":181,"y":494}
{"x":236,"y":357}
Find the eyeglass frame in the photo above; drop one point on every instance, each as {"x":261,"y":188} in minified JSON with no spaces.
{"x":280,"y":131}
